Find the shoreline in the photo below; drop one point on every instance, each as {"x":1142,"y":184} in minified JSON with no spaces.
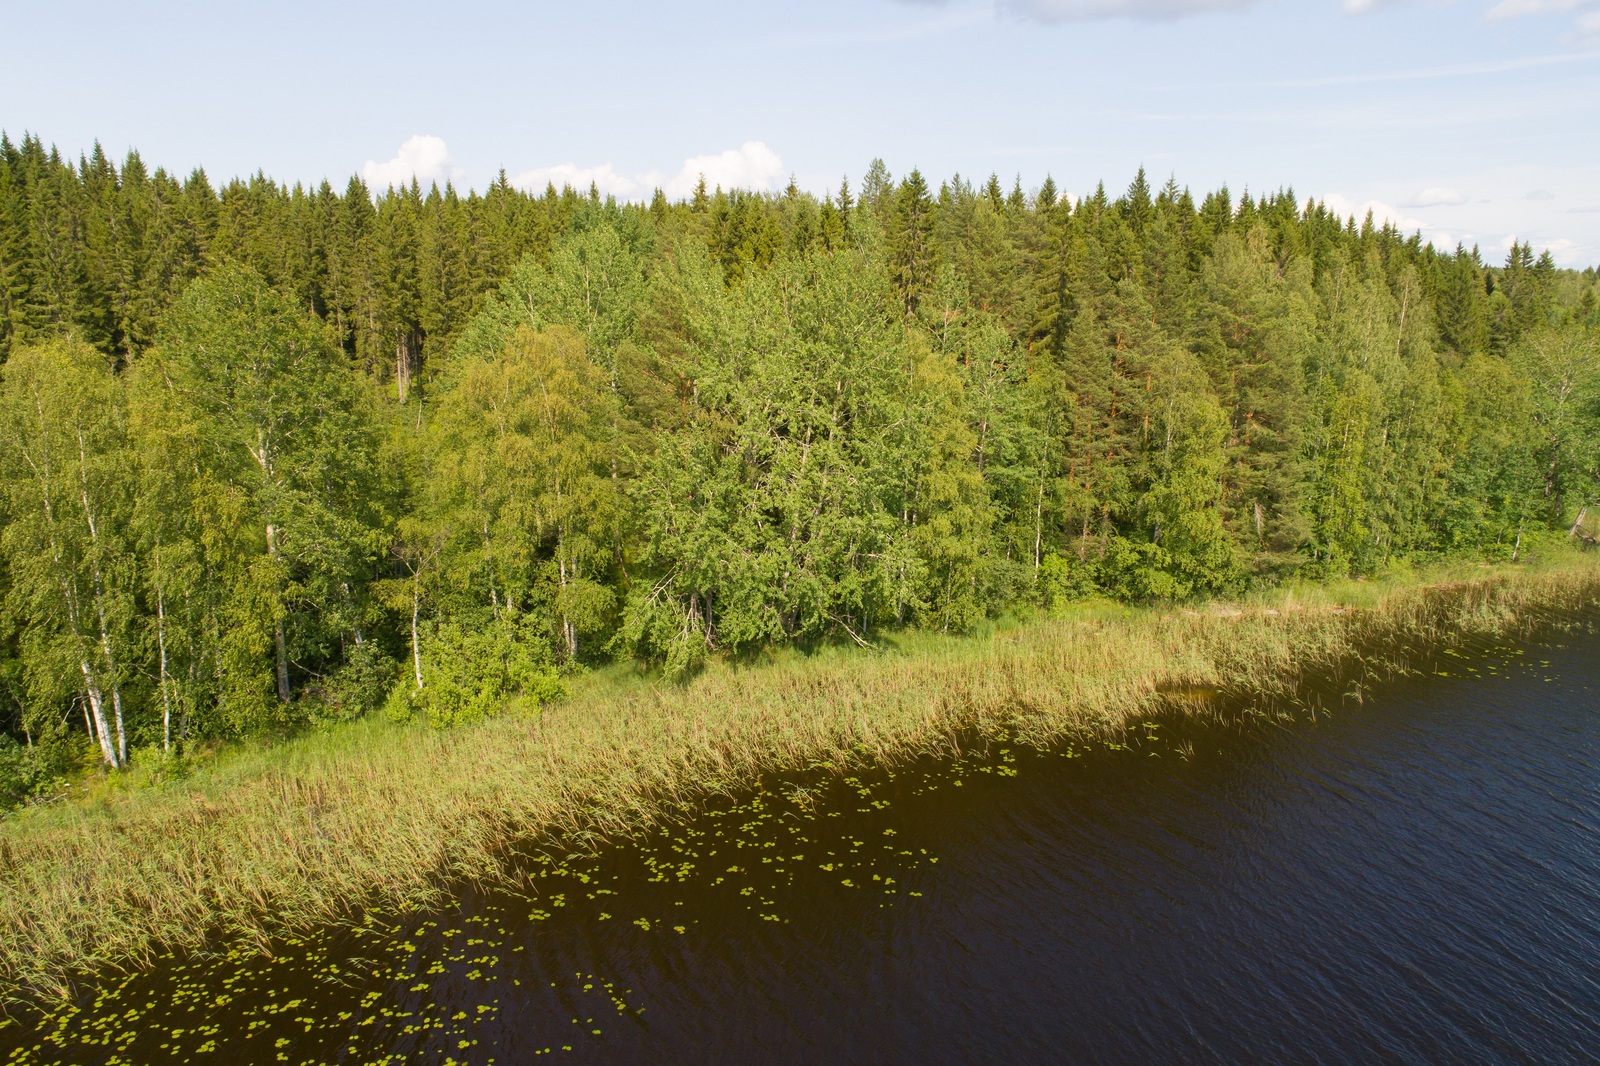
{"x":281,"y":837}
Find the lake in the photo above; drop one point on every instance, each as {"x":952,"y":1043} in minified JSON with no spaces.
{"x":1411,"y":874}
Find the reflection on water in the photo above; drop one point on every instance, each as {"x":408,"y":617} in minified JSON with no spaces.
{"x":1416,"y":877}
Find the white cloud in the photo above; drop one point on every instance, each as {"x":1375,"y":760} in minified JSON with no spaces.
{"x":1586,"y":28}
{"x":1559,"y":248}
{"x":1510,"y":9}
{"x":1381,"y":213}
{"x":750,"y":166}
{"x":423,"y":157}
{"x":604,"y":177}
{"x":1436,"y":198}
{"x":1539,"y":194}
{"x":1505,"y":9}
{"x":1141,"y":10}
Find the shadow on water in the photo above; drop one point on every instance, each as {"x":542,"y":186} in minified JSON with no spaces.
{"x":1402,"y":871}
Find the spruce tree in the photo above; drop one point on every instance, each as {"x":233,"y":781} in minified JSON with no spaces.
{"x":910,"y":240}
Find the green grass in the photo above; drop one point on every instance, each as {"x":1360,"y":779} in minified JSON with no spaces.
{"x":270,"y":837}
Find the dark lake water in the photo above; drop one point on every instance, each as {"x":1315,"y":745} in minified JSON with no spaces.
{"x":1412,"y":878}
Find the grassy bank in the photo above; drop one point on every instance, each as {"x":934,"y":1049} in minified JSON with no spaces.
{"x":271,"y":838}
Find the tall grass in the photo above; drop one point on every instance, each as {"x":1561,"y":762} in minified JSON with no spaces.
{"x":279,"y":837}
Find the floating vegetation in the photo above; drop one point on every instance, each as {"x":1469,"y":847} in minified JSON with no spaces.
{"x":434,"y":985}
{"x":492,"y":976}
{"x":380,"y":819}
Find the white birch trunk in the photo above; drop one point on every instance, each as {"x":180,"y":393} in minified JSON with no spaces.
{"x":568,"y":632}
{"x":416,"y":646}
{"x":161,"y":648}
{"x":116,"y":705}
{"x":96,"y":697}
{"x":1038,"y":532}
{"x":97,"y":713}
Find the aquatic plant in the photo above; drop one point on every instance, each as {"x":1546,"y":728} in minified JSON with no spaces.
{"x":372,"y":813}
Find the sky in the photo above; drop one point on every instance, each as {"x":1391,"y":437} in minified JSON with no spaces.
{"x":1475,"y":121}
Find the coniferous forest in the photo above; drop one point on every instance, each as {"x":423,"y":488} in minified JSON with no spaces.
{"x":272,"y":456}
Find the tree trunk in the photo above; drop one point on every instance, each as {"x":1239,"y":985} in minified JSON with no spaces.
{"x":161,"y":647}
{"x":97,"y":712}
{"x":96,"y":696}
{"x":116,"y":707}
{"x":1038,"y":531}
{"x":416,"y":646}
{"x":488,"y":557}
{"x":283,"y":660}
{"x":279,"y":641}
{"x":111,"y":670}
{"x":402,"y":366}
{"x":568,"y":633}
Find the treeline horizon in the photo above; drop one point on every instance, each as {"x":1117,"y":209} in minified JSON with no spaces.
{"x":104,"y":251}
{"x":272,"y":455}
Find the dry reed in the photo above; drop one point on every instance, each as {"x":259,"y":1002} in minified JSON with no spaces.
{"x":373,"y":814}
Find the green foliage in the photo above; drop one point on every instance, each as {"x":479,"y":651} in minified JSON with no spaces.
{"x":248,"y":404}
{"x":1183,"y":506}
{"x":64,"y":476}
{"x":1064,"y":580}
{"x":359,"y":685}
{"x":786,"y":506}
{"x":476,"y":672}
{"x":265,"y":450}
{"x":523,"y":480}
{"x":34,"y":770}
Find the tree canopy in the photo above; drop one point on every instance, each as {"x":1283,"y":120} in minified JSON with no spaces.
{"x":274,"y":455}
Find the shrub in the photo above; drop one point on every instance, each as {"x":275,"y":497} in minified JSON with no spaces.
{"x":28,"y":771}
{"x":357,"y":687}
{"x":471,"y":673}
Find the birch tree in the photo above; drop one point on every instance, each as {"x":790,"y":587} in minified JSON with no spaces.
{"x":278,"y":431}
{"x":65,"y":476}
{"x":525,"y":462}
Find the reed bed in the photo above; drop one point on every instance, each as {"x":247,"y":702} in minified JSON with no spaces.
{"x":276,"y":839}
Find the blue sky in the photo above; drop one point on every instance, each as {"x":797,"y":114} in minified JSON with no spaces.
{"x":1477,"y":120}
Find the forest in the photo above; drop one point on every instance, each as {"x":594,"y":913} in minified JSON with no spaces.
{"x":276,"y":456}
